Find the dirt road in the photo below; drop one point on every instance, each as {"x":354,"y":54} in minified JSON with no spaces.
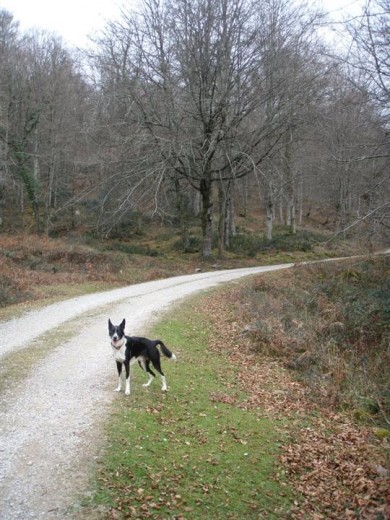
{"x":50,"y":419}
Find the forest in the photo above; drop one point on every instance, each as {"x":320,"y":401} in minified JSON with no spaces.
{"x":193,"y":135}
{"x":199,"y":111}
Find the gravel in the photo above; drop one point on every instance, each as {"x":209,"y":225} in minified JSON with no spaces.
{"x":51,"y":420}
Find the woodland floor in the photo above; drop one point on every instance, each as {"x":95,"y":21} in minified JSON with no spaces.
{"x":337,"y":465}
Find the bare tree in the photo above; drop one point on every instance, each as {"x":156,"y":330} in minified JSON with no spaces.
{"x":195,"y":75}
{"x":293,"y":72}
{"x":203,"y":71}
{"x":8,"y":48}
{"x":43,"y":96}
{"x":190,"y":105}
{"x":368,"y":69}
{"x":369,"y":52}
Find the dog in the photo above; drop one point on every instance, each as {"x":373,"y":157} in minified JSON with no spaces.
{"x":127,"y":350}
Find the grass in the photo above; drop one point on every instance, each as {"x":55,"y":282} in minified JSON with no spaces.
{"x":191,"y":452}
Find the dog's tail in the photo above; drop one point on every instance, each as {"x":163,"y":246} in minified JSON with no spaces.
{"x":165,"y":350}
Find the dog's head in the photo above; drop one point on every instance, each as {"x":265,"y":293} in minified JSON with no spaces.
{"x":116,"y":333}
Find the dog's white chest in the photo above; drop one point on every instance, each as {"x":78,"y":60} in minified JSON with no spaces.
{"x":119,"y":354}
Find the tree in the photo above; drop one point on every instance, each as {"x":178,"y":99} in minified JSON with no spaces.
{"x":42,"y":97}
{"x":8,"y":48}
{"x":369,"y":54}
{"x":203,"y":72}
{"x":195,"y":77}
{"x":293,"y":72}
{"x":368,"y":62}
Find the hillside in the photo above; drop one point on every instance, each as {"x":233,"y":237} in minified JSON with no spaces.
{"x":35,"y":267}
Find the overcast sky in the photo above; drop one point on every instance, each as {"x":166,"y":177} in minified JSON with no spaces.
{"x":74,"y":20}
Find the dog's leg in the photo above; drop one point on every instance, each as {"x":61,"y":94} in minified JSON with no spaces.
{"x":151,"y":374}
{"x":127,"y":367}
{"x":119,"y":368}
{"x":164,"y":387}
{"x":157,"y":365}
{"x":149,"y":381}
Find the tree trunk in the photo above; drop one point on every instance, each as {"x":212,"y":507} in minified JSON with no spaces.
{"x":226,"y":225}
{"x":30,"y":182}
{"x":281,"y":210}
{"x":230,"y":224}
{"x":48,"y":198}
{"x":182,"y":216}
{"x":35,"y":173}
{"x":245,"y":196}
{"x":290,"y":191}
{"x":344,"y":199}
{"x":222,"y":218}
{"x":269,"y":216}
{"x":207,"y":217}
{"x":300,"y":201}
{"x":196,"y":203}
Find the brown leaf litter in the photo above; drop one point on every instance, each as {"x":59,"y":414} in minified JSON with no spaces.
{"x":337,"y":466}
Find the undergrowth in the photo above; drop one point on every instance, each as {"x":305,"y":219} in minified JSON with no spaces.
{"x":283,"y":241}
{"x":331,"y":324}
{"x":32,"y":266}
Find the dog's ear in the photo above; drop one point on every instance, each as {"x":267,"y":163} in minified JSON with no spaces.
{"x":123,"y":324}
{"x":110,"y":325}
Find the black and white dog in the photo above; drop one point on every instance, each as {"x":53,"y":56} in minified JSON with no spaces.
{"x":128,"y":350}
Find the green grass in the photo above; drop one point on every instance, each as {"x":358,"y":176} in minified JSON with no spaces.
{"x":188,"y":453}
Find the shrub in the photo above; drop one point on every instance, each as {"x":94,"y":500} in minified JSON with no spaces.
{"x":11,"y":292}
{"x":193,"y":245}
{"x":130,"y":248}
{"x":250,"y":244}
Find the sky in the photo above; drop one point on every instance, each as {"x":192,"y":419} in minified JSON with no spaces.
{"x":76,"y":20}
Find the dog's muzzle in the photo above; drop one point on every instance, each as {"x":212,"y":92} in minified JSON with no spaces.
{"x":117,"y":343}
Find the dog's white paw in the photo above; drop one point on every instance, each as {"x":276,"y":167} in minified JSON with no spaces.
{"x":118,"y":389}
{"x":149,"y":382}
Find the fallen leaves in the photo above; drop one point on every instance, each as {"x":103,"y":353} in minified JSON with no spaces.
{"x":220,"y":397}
{"x":336,"y":465}
{"x":333,"y":471}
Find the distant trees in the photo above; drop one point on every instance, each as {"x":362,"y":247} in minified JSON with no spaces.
{"x":293,"y":71}
{"x":42,"y":97}
{"x":214,"y":88}
{"x":369,"y":54}
{"x":368,"y":71}
{"x":8,"y":45}
{"x":197,"y":110}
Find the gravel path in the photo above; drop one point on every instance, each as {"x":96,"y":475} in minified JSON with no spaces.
{"x":50,"y":420}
